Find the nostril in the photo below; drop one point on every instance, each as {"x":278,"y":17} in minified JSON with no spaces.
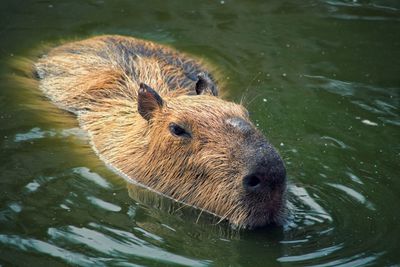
{"x":251,"y":182}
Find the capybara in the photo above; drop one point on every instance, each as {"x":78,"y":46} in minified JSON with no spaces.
{"x":154,"y":115}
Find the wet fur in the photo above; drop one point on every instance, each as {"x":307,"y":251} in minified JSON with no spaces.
{"x":98,"y":80}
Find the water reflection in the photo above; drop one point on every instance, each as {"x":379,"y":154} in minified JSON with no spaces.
{"x":322,"y":81}
{"x":376,"y":100}
{"x":363,"y":10}
{"x":166,"y":209}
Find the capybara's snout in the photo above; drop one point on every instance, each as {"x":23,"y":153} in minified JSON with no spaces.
{"x":267,"y":173}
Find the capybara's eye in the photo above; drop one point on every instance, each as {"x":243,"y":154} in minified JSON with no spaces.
{"x":177,"y":130}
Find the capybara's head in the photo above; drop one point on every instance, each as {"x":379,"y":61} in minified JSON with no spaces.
{"x":206,"y":152}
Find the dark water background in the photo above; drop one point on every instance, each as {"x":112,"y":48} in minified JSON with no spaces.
{"x":320,"y":78}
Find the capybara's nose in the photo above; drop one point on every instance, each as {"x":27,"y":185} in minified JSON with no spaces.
{"x":268,"y":174}
{"x":265,"y":181}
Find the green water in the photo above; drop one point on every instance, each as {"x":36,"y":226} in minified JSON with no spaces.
{"x":320,"y":78}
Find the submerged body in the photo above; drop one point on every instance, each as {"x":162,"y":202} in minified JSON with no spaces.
{"x":153,"y":114}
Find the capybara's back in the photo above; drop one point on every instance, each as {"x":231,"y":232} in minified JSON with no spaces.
{"x":113,"y":66}
{"x":154,"y":115}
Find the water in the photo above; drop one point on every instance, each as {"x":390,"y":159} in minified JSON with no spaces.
{"x":320,"y":78}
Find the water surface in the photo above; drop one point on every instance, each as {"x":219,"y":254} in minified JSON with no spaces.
{"x":320,"y":79}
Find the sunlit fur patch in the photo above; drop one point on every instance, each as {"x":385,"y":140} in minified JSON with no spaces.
{"x":240,"y":124}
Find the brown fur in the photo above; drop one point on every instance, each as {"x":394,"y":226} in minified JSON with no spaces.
{"x":98,"y":80}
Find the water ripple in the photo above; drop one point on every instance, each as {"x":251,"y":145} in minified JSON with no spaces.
{"x":118,"y":244}
{"x":37,"y":133}
{"x":376,"y":100}
{"x":360,"y":259}
{"x":336,"y":142}
{"x":303,"y":205}
{"x":357,"y":10}
{"x":313,"y":255}
{"x":38,"y":246}
{"x":103,"y":204}
{"x":353,"y":194}
{"x":37,"y":183}
{"x":92,"y":176}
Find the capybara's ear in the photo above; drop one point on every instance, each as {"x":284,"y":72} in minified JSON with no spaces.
{"x":205,"y":85}
{"x":148,"y":101}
